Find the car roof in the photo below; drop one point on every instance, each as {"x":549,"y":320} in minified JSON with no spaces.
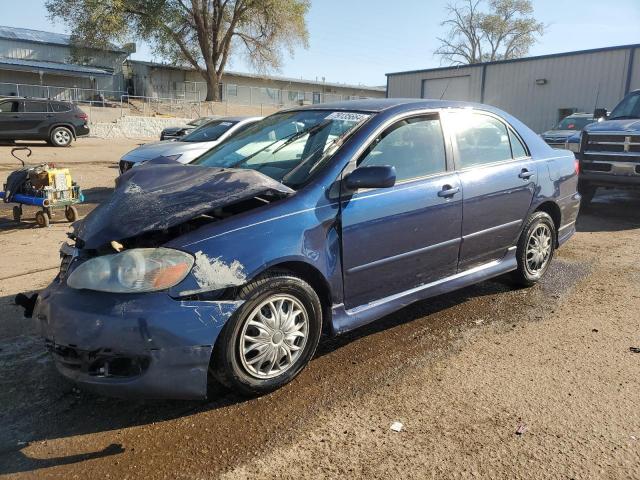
{"x":376,"y":105}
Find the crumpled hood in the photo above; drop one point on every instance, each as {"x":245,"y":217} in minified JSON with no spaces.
{"x":158,"y":196}
{"x":165,"y":148}
{"x":631,"y":125}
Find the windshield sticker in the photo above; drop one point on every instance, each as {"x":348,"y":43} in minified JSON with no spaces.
{"x":348,"y":116}
{"x":226,"y":124}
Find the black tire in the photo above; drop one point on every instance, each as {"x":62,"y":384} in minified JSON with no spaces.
{"x":17,"y":213}
{"x":587,"y":192}
{"x":42,"y":219}
{"x":61,"y":137}
{"x":71,"y":213}
{"x":526,"y":275}
{"x":227,"y":364}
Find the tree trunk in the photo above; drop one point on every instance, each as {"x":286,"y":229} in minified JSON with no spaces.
{"x":213,"y":90}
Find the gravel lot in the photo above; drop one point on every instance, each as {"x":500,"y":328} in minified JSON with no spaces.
{"x":464,"y":373}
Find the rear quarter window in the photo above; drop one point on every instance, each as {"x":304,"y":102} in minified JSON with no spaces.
{"x":60,"y":107}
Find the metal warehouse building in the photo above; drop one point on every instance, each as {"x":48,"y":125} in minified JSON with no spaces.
{"x":32,"y":58}
{"x":538,"y":90}
{"x":168,"y":81}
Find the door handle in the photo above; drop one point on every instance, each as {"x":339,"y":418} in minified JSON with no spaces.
{"x":526,"y":174}
{"x":448,"y":191}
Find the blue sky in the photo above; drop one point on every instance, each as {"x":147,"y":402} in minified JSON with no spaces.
{"x":358,"y":41}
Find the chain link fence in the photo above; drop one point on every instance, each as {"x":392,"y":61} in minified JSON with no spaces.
{"x":187,"y":102}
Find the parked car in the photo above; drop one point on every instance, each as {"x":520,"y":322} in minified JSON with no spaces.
{"x":558,"y":135}
{"x":173,"y":133}
{"x":191,"y":146}
{"x":59,"y":123}
{"x":609,"y":151}
{"x":234,"y":265}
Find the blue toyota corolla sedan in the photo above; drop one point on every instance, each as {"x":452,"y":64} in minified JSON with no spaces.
{"x":318,"y":219}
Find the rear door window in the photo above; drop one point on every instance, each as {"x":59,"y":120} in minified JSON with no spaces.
{"x":415,"y":147}
{"x":481,"y":139}
{"x":31,"y":106}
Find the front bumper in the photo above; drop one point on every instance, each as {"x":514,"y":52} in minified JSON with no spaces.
{"x":132,"y":345}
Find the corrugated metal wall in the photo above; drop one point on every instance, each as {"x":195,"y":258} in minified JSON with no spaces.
{"x":535,"y":90}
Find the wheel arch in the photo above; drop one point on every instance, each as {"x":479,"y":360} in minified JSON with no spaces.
{"x":553,"y":210}
{"x":63,"y":124}
{"x":314,"y":278}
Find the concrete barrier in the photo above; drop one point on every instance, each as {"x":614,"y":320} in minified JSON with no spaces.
{"x":135,"y":127}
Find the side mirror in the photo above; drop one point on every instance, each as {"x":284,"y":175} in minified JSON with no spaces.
{"x":383,"y":176}
{"x":600,"y":113}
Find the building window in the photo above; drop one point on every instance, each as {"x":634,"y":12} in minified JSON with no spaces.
{"x":295,"y":96}
{"x":232,"y":90}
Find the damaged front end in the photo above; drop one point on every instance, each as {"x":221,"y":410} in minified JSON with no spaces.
{"x":127,"y":316}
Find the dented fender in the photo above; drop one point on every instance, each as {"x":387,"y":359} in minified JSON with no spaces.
{"x":233,"y":252}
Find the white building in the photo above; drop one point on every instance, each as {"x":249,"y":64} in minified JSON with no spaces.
{"x":538,"y":90}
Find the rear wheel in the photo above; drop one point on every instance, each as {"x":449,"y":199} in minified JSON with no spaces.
{"x":71,"y":213}
{"x":42,"y":219}
{"x":61,"y":137}
{"x":535,"y":249}
{"x":271,"y":337}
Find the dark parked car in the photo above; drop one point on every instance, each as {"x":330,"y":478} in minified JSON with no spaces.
{"x":558,"y":135}
{"x":317,"y":219}
{"x":174,"y":133}
{"x":59,"y":123}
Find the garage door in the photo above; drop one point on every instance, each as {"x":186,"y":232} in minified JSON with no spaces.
{"x":453,"y":88}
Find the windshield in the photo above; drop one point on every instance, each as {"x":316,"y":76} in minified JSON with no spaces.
{"x":209,"y":132}
{"x":288,"y":147}
{"x":574,"y":123}
{"x":629,"y":107}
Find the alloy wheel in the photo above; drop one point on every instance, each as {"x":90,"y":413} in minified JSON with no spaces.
{"x":539,"y":248}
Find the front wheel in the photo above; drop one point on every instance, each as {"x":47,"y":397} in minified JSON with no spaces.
{"x":271,"y":337}
{"x":61,"y":137}
{"x":535,"y":249}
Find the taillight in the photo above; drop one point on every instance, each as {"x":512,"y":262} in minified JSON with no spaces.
{"x":82,"y":116}
{"x":577,"y":166}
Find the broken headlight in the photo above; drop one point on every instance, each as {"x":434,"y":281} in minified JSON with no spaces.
{"x":133,"y":271}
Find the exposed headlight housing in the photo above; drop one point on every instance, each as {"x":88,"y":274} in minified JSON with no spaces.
{"x":133,"y":271}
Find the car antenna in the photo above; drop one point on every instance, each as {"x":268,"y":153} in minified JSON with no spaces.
{"x":446,"y":87}
{"x":597,"y":97}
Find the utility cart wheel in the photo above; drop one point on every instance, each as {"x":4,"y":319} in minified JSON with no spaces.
{"x":17,"y":213}
{"x":71,"y":213}
{"x":42,"y":219}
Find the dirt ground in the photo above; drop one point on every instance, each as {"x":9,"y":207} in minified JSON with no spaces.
{"x":488,"y":382}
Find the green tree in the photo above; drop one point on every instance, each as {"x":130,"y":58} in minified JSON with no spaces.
{"x":506,"y":30}
{"x":201,"y":33}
